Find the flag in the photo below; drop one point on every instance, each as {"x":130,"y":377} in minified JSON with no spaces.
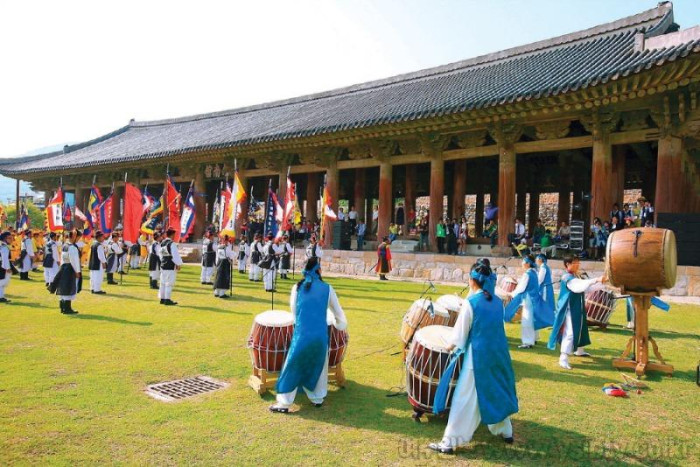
{"x":188,"y":216}
{"x":173,"y":208}
{"x":67,"y":214}
{"x":290,"y":199}
{"x":237,"y":196}
{"x":133,"y":212}
{"x":216,"y":211}
{"x":23,"y":223}
{"x":148,"y":201}
{"x":149,"y":226}
{"x":88,"y":226}
{"x":54,"y":212}
{"x":327,"y":213}
{"x":271,"y":216}
{"x":297,"y":212}
{"x":104,"y":214}
{"x":94,"y":202}
{"x":224,"y":202}
{"x":3,"y":214}
{"x":252,"y":205}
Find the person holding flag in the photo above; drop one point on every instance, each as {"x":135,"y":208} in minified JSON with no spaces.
{"x":256,"y":249}
{"x":224,"y":258}
{"x":327,"y":213}
{"x":267,"y":263}
{"x":97,"y":263}
{"x":5,"y":264}
{"x":314,"y":250}
{"x":170,"y":263}
{"x":26,"y":255}
{"x":154,"y":260}
{"x":243,"y":254}
{"x":68,"y":282}
{"x":114,"y":250}
{"x":286,"y":251}
{"x":51,"y":257}
{"x":209,"y":255}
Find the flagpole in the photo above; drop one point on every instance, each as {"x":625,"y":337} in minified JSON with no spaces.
{"x":267,"y":207}
{"x":294,"y":237}
{"x":166,"y":189}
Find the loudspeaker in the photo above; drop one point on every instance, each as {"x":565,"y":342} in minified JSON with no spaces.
{"x":342,"y":233}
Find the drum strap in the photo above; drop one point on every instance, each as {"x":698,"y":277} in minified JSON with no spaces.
{"x":444,"y":386}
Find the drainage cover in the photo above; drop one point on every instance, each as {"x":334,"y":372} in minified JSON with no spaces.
{"x":184,"y":388}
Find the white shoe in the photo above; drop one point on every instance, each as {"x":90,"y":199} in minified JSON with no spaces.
{"x":565,"y":365}
{"x":630,"y":325}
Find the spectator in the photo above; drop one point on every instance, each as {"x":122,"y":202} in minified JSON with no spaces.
{"x":629,"y":223}
{"x":647,"y":214}
{"x":564,"y":232}
{"x":361,"y":228}
{"x":598,"y":239}
{"x":538,"y":232}
{"x":463,"y":233}
{"x":627,"y":211}
{"x":400,"y":214}
{"x":519,"y":234}
{"x":614,"y":226}
{"x":352,"y":216}
{"x":617,"y":213}
{"x":491,"y":232}
{"x":451,"y":237}
{"x":547,"y":246}
{"x":490,"y":213}
{"x":375,"y":219}
{"x":341,"y":214}
{"x":423,"y":234}
{"x":440,"y":234}
{"x":393,"y":232}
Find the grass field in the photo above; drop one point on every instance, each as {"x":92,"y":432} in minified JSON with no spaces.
{"x":71,"y":388}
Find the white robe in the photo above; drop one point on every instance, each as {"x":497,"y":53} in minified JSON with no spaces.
{"x":73,"y":256}
{"x":97,"y":276}
{"x":5,"y":264}
{"x":318,"y":393}
{"x":226,"y":254}
{"x":50,"y":273}
{"x":28,"y":261}
{"x":167,"y":277}
{"x":527,"y":324}
{"x":464,"y":416}
{"x":567,"y":340}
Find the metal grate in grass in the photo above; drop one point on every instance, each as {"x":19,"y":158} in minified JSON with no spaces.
{"x":170,"y":391}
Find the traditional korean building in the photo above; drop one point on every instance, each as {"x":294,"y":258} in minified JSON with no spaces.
{"x":593,"y":112}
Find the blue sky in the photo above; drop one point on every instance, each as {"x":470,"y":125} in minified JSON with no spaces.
{"x":84,"y":68}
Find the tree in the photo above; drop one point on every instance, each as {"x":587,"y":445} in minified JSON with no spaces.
{"x":37,"y":217}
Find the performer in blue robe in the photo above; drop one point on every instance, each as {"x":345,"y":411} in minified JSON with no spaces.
{"x":306,"y":365}
{"x":544,"y":278}
{"x":490,"y":284}
{"x":535,"y":313}
{"x":570,"y":328}
{"x":485,"y":391}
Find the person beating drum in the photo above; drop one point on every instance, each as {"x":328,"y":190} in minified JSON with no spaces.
{"x":485,"y":390}
{"x":570,"y":314}
{"x":306,"y":365}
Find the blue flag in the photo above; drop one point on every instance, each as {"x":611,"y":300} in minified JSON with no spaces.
{"x":271,"y":215}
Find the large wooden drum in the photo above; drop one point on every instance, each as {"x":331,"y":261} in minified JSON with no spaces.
{"x":426,"y":362}
{"x":337,"y":341}
{"x":642,"y":259}
{"x":270,"y":339}
{"x":423,"y":312}
{"x":453,"y":304}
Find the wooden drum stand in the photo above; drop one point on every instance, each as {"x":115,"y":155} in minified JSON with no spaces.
{"x":640,"y":342}
{"x":261,"y":380}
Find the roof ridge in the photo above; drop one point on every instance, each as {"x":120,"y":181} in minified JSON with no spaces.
{"x":662,"y":11}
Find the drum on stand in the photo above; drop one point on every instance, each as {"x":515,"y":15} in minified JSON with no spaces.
{"x":600,"y":305}
{"x":337,"y":342}
{"x":453,"y":304}
{"x":423,"y":312}
{"x":426,"y":362}
{"x":270,"y":339}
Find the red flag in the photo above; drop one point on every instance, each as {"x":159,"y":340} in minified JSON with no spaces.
{"x":133,"y":212}
{"x":174,"y":209}
{"x":54,"y":212}
{"x":289,"y":204}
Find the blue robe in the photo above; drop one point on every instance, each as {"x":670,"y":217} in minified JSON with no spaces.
{"x":574,"y":304}
{"x":309,"y":349}
{"x":547,"y":290}
{"x":493,"y":369}
{"x":543,"y":317}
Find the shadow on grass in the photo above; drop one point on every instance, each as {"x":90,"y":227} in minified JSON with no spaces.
{"x":211,"y":308}
{"x":652,"y":332}
{"x":110,"y":319}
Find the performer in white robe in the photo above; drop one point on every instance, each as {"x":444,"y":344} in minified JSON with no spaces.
{"x":311,"y":328}
{"x":26,"y":255}
{"x":243,"y":254}
{"x":68,"y":280}
{"x":5,"y":266}
{"x":97,"y":264}
{"x":224,"y":259}
{"x":268,"y":264}
{"x":154,"y":260}
{"x":170,"y":263}
{"x":209,"y":246}
{"x":314,"y":249}
{"x":485,"y":390}
{"x":51,"y":258}
{"x":255,"y":256}
{"x":286,"y":251}
{"x":113,"y":252}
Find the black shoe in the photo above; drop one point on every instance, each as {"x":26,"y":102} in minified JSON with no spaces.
{"x":101,"y":292}
{"x":251,"y":280}
{"x":62,"y":306}
{"x":508,"y":440}
{"x":4,"y":300}
{"x":318,"y":405}
{"x":274,"y":409}
{"x":69,"y":308}
{"x":203,"y":283}
{"x":525,"y":346}
{"x":162,"y":301}
{"x":169,"y":302}
{"x":436,"y":447}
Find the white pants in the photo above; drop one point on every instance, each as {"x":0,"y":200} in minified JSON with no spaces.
{"x":241,"y":265}
{"x":528,"y":333}
{"x":316,"y":396}
{"x":567,"y":341}
{"x":26,"y":265}
{"x":96,"y":280}
{"x":465,"y":417}
{"x":254,"y":274}
{"x":70,"y":298}
{"x":135,"y":262}
{"x":167,"y":282}
{"x":220,"y":292}
{"x":206,"y":274}
{"x":50,"y":273}
{"x":4,"y":283}
{"x":154,"y":275}
{"x":269,"y":278}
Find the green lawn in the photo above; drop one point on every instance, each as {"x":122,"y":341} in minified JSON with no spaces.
{"x":71,"y":388}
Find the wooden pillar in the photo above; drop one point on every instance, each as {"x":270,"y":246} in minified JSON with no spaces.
{"x":534,"y":212}
{"x":603,"y":184}
{"x":385,"y":197}
{"x":459,"y":188}
{"x":17,"y":207}
{"x":410,"y":195}
{"x":117,"y":204}
{"x":80,"y":202}
{"x":312,"y":197}
{"x":358,"y":199}
{"x":564,"y":206}
{"x":332,"y":185}
{"x":506,"y":193}
{"x":282,"y":190}
{"x":479,"y":213}
{"x":669,"y":189}
{"x":618,"y":169}
{"x":521,"y":205}
{"x":200,"y":202}
{"x":437,"y":193}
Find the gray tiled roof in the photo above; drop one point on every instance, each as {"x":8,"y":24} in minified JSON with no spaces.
{"x":537,"y":70}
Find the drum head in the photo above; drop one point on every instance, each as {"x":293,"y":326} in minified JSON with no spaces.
{"x":434,"y":337}
{"x":425,"y":303}
{"x":275,"y":318}
{"x":451,"y":302}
